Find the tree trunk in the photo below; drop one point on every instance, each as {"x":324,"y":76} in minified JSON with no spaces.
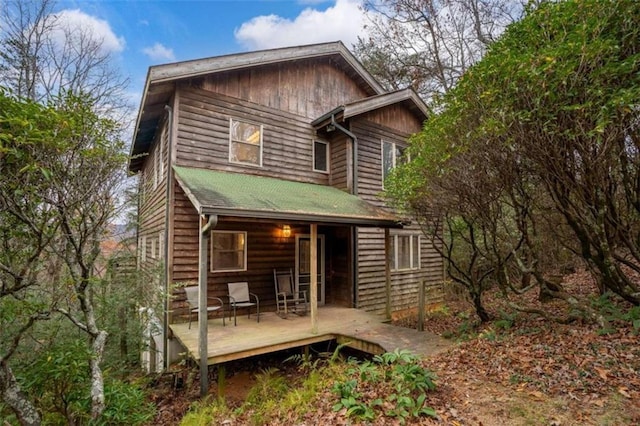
{"x":97,"y":380}
{"x":13,"y":396}
{"x":476,"y":298}
{"x":549,"y":288}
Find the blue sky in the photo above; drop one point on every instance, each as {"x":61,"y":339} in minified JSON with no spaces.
{"x":140,"y":33}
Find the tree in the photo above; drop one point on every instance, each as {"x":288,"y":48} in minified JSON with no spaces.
{"x":54,"y":210}
{"x":557,"y":96}
{"x":44,"y":57}
{"x":429,"y":44}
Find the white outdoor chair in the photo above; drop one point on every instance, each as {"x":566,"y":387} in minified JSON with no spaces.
{"x":240,"y":297}
{"x":192,"y":300}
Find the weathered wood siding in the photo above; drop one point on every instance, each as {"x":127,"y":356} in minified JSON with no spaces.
{"x":203,"y":137}
{"x":306,"y":88}
{"x":371,"y":256}
{"x":152,"y":205}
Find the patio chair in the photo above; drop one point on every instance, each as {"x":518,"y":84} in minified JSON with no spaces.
{"x":240,"y":297}
{"x":288,"y":298}
{"x":192,"y":300}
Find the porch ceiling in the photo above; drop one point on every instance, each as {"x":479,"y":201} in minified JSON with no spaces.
{"x":240,"y":195}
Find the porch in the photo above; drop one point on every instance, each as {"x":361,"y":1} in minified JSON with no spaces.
{"x":359,"y":329}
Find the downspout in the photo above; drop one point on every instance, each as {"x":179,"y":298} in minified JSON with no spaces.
{"x":354,"y":144}
{"x":354,"y":191}
{"x":165,"y":329}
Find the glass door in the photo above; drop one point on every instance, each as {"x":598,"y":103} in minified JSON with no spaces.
{"x":303,"y":265}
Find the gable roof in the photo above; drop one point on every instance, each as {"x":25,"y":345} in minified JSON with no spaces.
{"x":240,"y":195}
{"x":407,"y":97}
{"x":161,"y":79}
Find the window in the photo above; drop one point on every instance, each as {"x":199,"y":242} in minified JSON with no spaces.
{"x":391,"y":157}
{"x":228,"y":251}
{"x":320,"y":156}
{"x":245,"y":143}
{"x":152,"y":253}
{"x":404,"y":252}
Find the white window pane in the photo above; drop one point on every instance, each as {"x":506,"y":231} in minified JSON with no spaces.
{"x":228,"y":251}
{"x":387,"y":159}
{"x":245,"y":153}
{"x":245,"y":132}
{"x":245,"y":144}
{"x":416,"y":252}
{"x":404,"y":252}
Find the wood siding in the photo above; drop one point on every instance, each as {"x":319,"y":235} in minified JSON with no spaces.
{"x":203,"y":137}
{"x":306,"y":88}
{"x":371,"y":266}
{"x":152,"y":205}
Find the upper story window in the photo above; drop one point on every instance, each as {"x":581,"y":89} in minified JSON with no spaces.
{"x":391,"y":157}
{"x":245,"y":143}
{"x":320,"y":156}
{"x":228,"y":251}
{"x":404,"y":252}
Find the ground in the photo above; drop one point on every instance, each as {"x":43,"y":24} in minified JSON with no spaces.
{"x":520,"y":369}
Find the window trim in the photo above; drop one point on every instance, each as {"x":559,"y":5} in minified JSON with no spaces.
{"x":244,"y":259}
{"x":395,"y":252}
{"x":395,"y":147}
{"x":327,"y":155}
{"x":231,"y":141}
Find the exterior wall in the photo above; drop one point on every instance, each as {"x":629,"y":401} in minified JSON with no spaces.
{"x":203,"y":137}
{"x":371,"y":251}
{"x":306,"y":88}
{"x":152,"y":205}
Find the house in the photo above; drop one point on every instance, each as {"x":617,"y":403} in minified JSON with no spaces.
{"x":245,"y":160}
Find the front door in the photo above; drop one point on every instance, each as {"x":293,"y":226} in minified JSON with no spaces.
{"x":303,"y":265}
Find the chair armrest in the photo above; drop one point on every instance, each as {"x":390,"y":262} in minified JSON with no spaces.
{"x":256,"y":297}
{"x":216,"y":298}
{"x":282,"y":293}
{"x":232,"y":300}
{"x":304,"y":294}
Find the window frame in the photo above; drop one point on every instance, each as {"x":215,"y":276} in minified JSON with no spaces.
{"x":212,"y":252}
{"x":415,"y":243}
{"x":235,"y":141}
{"x":326,"y":154}
{"x":397,"y":151}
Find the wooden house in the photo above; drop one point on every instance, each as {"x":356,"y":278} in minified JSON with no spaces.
{"x":244,"y":160}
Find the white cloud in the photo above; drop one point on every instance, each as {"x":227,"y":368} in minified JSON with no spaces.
{"x":343,"y":21}
{"x":158,"y":52}
{"x":70,"y":23}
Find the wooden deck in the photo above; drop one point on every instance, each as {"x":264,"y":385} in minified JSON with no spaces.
{"x":360,"y":329}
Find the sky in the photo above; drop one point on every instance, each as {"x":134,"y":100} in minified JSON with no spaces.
{"x":142,"y":33}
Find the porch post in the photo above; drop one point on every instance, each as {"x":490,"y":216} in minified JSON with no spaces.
{"x":313,"y":254}
{"x":203,"y":325}
{"x":387,"y":272}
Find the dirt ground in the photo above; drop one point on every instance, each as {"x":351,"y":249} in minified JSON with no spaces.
{"x":518,"y":370}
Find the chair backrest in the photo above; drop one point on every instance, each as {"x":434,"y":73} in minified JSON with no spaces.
{"x":284,"y":281}
{"x":239,"y":291}
{"x":192,"y":295}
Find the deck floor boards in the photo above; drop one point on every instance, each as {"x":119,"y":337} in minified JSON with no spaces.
{"x":362,"y":330}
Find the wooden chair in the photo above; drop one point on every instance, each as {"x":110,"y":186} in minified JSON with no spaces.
{"x":288,"y":298}
{"x":192,"y":300}
{"x":240,"y":297}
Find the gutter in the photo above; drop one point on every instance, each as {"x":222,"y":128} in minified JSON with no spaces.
{"x":165,"y":329}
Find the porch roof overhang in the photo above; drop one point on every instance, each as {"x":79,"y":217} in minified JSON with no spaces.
{"x":258,"y":197}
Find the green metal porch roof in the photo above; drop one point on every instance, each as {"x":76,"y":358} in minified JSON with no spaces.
{"x":241,"y":195}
